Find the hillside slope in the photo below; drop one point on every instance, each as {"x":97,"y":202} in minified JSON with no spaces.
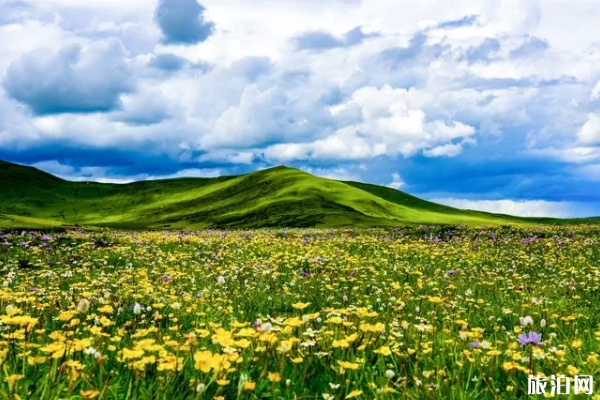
{"x":277,"y":196}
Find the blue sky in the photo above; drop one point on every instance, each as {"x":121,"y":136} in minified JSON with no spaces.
{"x":491,"y":105}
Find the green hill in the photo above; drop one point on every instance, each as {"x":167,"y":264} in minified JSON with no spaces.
{"x":275,"y":197}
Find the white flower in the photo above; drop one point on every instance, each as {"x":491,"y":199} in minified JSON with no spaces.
{"x":334,"y":385}
{"x":221,"y":280}
{"x":10,"y":309}
{"x":89,"y":351}
{"x":525,"y":321}
{"x":83,"y":306}
{"x":137,"y":309}
{"x":266,"y":327}
{"x":200,"y":387}
{"x":543,"y":323}
{"x":390,"y":374}
{"x":175,"y":306}
{"x":97,"y":355}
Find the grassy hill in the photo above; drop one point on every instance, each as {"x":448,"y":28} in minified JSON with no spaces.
{"x":277,"y":196}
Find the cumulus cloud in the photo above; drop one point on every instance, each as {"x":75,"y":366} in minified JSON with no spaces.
{"x":396,"y":182}
{"x":439,"y":88}
{"x":72,"y":80}
{"x":322,"y":40}
{"x":589,"y":134}
{"x":386,"y":124}
{"x":523,"y":208}
{"x":183,"y":22}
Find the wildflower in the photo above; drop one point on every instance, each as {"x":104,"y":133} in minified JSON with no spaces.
{"x":266,"y":327}
{"x":543,"y":323}
{"x":200,"y":388}
{"x":354,"y":393}
{"x":532,"y":338}
{"x":89,"y":351}
{"x":300,"y":305}
{"x":137,"y":308}
{"x":221,"y":280}
{"x":83,"y":305}
{"x":274,"y":377}
{"x":389,"y":373}
{"x":175,"y":306}
{"x":525,"y":321}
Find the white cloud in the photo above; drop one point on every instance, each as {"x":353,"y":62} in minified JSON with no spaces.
{"x":523,"y":208}
{"x":418,"y":88}
{"x":389,"y":125}
{"x":339,"y":174}
{"x":396,"y":182}
{"x":589,"y":134}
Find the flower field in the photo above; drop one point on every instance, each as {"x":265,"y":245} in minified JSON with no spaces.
{"x":415,"y":313}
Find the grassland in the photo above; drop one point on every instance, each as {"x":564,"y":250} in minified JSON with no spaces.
{"x":275,"y":197}
{"x":413,"y":313}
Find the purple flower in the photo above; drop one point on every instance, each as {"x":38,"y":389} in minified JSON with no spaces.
{"x":451,"y":272}
{"x":166,"y":278}
{"x":305,"y":274}
{"x":533,"y":338}
{"x":474,"y":344}
{"x":46,"y":238}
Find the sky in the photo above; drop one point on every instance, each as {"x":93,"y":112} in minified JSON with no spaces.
{"x":491,"y":105}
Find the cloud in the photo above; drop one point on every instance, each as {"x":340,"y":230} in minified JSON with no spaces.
{"x":480,"y":100}
{"x":465,"y":21}
{"x":377,"y":122}
{"x":183,"y":22}
{"x":72,"y":80}
{"x":523,"y":208}
{"x":396,"y":182}
{"x":322,"y":40}
{"x":589,"y":134}
{"x":145,"y":107}
{"x":531,"y":48}
{"x":168,"y":62}
{"x":483,"y":52}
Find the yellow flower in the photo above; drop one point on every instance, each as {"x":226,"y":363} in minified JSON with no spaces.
{"x":11,"y":379}
{"x":250,"y":386}
{"x":436,"y":299}
{"x":576,"y":344}
{"x":353,"y":394}
{"x":384,"y":351}
{"x":300,"y":305}
{"x":340,"y":343}
{"x":66,"y":315}
{"x":348,"y":365}
{"x":572,"y":370}
{"x":294,"y":322}
{"x":89,"y":394}
{"x":274,"y":376}
{"x":106,"y":309}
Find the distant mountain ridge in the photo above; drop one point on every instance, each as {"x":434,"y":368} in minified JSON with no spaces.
{"x":274,"y":197}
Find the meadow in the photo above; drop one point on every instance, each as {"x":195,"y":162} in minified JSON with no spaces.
{"x":423,"y":312}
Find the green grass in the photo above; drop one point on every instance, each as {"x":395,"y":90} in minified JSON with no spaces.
{"x":275,"y":197}
{"x":298,"y":314}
